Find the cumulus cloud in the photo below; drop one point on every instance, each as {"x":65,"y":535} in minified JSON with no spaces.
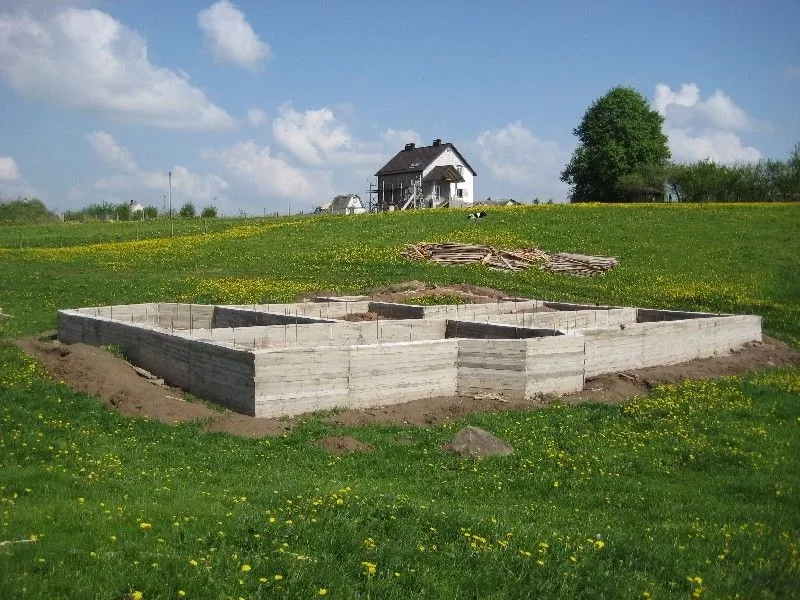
{"x":88,"y":60}
{"x":400,"y":137}
{"x":514,"y":155}
{"x":230,"y":36}
{"x":8,"y":169}
{"x":270,"y":174}
{"x":701,"y":129}
{"x":319,"y":139}
{"x":142,"y":183}
{"x":109,"y":150}
{"x":256,"y":117}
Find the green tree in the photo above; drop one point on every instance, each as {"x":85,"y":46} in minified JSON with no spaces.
{"x":209,"y":212}
{"x":187,"y":210}
{"x":620,"y":137}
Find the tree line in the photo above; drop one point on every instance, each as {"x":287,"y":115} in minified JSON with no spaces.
{"x":107,"y":211}
{"x":622,"y":156}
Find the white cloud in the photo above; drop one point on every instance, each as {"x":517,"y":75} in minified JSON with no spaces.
{"x":231,"y":37}
{"x":256,"y":117}
{"x":313,"y":136}
{"x":109,"y":150}
{"x":8,"y":169}
{"x":148,"y":187}
{"x":515,"y":156}
{"x":717,"y":146}
{"x":397,"y":138}
{"x":88,"y":60}
{"x":704,"y":129}
{"x":270,"y":174}
{"x":319,"y":139}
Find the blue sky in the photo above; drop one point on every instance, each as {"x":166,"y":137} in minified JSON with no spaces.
{"x":259,"y":106}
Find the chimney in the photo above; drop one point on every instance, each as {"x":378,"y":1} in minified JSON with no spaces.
{"x":437,"y":142}
{"x":410,"y":146}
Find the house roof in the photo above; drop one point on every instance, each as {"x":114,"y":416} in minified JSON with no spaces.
{"x":444,"y":172}
{"x":416,"y":159}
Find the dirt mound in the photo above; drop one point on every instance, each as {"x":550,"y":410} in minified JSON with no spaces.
{"x":342,"y":444}
{"x":95,"y":371}
{"x":409,"y":290}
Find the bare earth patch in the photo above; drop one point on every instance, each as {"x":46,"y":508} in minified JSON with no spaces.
{"x":343,"y":444}
{"x":95,"y":371}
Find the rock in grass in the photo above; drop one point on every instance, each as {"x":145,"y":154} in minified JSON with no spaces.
{"x":473,"y":442}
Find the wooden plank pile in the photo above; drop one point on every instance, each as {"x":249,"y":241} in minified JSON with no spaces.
{"x":452,"y":253}
{"x":580,"y":264}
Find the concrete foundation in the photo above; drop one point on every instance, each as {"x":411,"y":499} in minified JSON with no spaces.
{"x":287,"y":359}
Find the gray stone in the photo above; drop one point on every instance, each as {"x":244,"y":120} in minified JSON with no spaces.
{"x":473,"y":442}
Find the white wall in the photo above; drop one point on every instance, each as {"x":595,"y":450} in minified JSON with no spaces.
{"x":448,"y":157}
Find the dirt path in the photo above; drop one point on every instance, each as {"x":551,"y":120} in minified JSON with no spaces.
{"x":96,"y":371}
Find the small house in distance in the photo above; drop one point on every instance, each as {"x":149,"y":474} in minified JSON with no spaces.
{"x":345,"y":204}
{"x":426,"y":177}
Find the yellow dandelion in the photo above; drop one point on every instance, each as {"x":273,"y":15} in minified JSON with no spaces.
{"x":246,"y":568}
{"x":322,"y":592}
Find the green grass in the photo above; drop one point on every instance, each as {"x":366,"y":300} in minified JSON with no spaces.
{"x":692,"y":490}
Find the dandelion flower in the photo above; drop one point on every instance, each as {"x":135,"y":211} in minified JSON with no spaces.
{"x":322,"y":591}
{"x":246,"y":568}
{"x":137,"y":595}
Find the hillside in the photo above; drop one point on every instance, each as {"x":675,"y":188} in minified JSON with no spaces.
{"x":688,"y":491}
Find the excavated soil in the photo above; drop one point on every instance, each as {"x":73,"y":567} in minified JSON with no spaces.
{"x":95,"y":371}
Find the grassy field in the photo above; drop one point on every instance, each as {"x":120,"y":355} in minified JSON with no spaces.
{"x":691,"y":491}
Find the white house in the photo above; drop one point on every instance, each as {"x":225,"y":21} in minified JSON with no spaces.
{"x":346,"y":204}
{"x":426,"y":177}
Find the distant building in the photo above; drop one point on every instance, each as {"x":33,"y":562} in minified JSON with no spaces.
{"x":345,"y":204}
{"x":427,"y":177}
{"x":500,"y":202}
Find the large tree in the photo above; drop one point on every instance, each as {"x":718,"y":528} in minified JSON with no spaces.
{"x":621,"y":143}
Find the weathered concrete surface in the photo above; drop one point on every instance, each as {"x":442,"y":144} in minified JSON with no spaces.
{"x":289,"y":359}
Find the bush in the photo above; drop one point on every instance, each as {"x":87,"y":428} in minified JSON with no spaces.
{"x":209,"y":212}
{"x":150,"y":212}
{"x":25,"y":210}
{"x":187,"y":211}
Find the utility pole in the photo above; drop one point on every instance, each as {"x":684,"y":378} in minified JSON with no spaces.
{"x":171,"y":224}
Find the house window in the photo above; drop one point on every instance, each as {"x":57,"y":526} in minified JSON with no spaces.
{"x":460,"y":193}
{"x":460,"y":169}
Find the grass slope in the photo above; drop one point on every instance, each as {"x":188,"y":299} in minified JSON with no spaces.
{"x":691,"y":491}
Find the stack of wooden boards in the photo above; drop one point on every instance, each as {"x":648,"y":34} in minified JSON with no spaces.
{"x":452,"y":253}
{"x":580,"y":264}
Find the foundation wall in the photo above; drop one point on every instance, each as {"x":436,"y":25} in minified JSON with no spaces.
{"x":226,"y":316}
{"x":304,"y":380}
{"x":522,"y":368}
{"x":567,"y":321}
{"x":215,"y":372}
{"x":292,"y":369}
{"x":641,"y":345}
{"x":333,"y":333}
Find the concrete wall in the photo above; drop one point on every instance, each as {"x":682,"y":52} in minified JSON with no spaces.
{"x":640,"y":345}
{"x":212,"y":371}
{"x":334,"y":333}
{"x":227,"y":316}
{"x":489,"y":331}
{"x":303,"y":380}
{"x":321,"y":366}
{"x":521,"y":368}
{"x":579,"y":319}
